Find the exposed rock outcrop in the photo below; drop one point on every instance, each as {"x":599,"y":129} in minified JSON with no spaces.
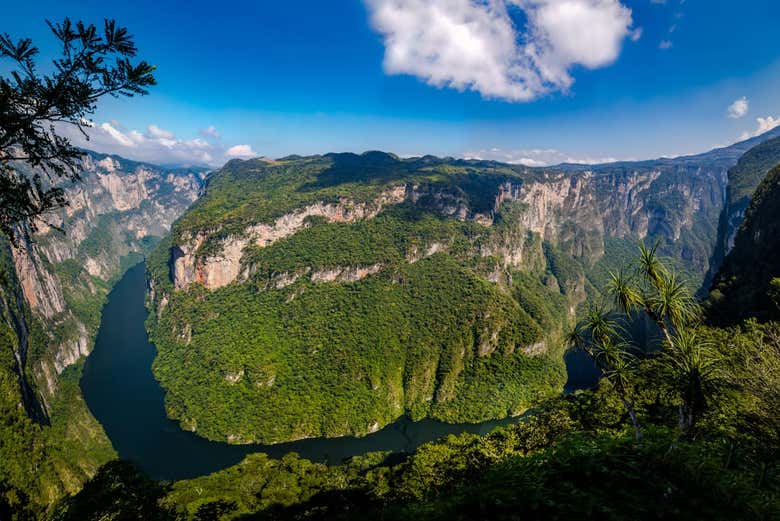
{"x":215,"y":271}
{"x":577,"y":210}
{"x":117,"y":207}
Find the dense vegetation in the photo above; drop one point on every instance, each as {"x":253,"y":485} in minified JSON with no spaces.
{"x":407,"y":322}
{"x":50,"y":444}
{"x":430,"y":337}
{"x":259,"y":190}
{"x":743,"y":179}
{"x":746,"y":284}
{"x":574,"y":457}
{"x":749,"y":171}
{"x":690,"y":431}
{"x":42,"y":457}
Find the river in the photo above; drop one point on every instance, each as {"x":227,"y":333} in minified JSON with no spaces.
{"x":121,"y":392}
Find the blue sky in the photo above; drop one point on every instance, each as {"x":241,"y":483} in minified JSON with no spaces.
{"x":534,"y":81}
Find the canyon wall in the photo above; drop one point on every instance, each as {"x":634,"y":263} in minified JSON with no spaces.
{"x":52,"y":287}
{"x":574,"y":210}
{"x":117,"y":211}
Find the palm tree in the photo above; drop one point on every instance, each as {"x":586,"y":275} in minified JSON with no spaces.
{"x":626,"y":296}
{"x":601,"y":337}
{"x":660,"y":293}
{"x":693,"y":364}
{"x":651,"y":268}
{"x":666,"y":300}
{"x":673,"y":303}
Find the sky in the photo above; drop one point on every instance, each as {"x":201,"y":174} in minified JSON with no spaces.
{"x":526,"y":81}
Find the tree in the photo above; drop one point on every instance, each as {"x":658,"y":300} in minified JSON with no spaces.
{"x":603,"y":339}
{"x":118,"y":491}
{"x":656,"y":291}
{"x":690,"y":362}
{"x":774,"y":291}
{"x":35,"y":108}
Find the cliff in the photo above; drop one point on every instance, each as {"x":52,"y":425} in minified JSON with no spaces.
{"x":322,"y":287}
{"x":52,"y":289}
{"x":576,"y":210}
{"x":743,"y":179}
{"x":743,"y":287}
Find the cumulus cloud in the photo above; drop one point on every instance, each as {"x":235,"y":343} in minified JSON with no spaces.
{"x":155,"y":145}
{"x":116,"y":134}
{"x":210,"y":132}
{"x":739,"y":108}
{"x":535,"y":157}
{"x":762,"y":125}
{"x":157,"y":132}
{"x":240,"y":151}
{"x":476,"y":44}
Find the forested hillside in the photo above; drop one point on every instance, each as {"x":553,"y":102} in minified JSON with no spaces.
{"x":382,"y":301}
{"x":748,"y":285}
{"x":688,"y":432}
{"x":329,"y":295}
{"x":743,"y":179}
{"x":53,"y":284}
{"x":371,"y":287}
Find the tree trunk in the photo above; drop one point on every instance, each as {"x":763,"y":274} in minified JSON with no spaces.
{"x":730,"y":455}
{"x":632,"y":415}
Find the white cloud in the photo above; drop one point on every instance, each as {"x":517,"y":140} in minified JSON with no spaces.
{"x":665,"y":45}
{"x":535,"y":157}
{"x":157,"y":132}
{"x":240,"y":151}
{"x":117,"y":135}
{"x":763,"y":125}
{"x":476,"y":45}
{"x":636,"y":34}
{"x":210,"y":132}
{"x":156,"y":145}
{"x":739,"y":108}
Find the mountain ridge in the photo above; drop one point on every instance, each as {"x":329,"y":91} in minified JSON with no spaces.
{"x":279,"y":231}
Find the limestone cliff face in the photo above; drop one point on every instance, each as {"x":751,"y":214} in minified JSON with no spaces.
{"x":225,"y":267}
{"x":117,"y":210}
{"x":576,"y":210}
{"x":579,"y":210}
{"x":743,"y":179}
{"x":312,"y":247}
{"x":745,"y":287}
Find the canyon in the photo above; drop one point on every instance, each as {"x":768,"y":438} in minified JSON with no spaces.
{"x":565,"y":226}
{"x":268,"y":237}
{"x":55,"y":281}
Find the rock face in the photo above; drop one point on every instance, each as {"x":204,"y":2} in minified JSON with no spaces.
{"x":575,"y":209}
{"x":743,"y":179}
{"x":223,"y":268}
{"x":118,"y":209}
{"x":744,"y":286}
{"x":341,"y":264}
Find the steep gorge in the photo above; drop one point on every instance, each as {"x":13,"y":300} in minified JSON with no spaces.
{"x":743,"y":179}
{"x":748,"y":284}
{"x":423,"y":286}
{"x":53,"y":286}
{"x":340,"y":242}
